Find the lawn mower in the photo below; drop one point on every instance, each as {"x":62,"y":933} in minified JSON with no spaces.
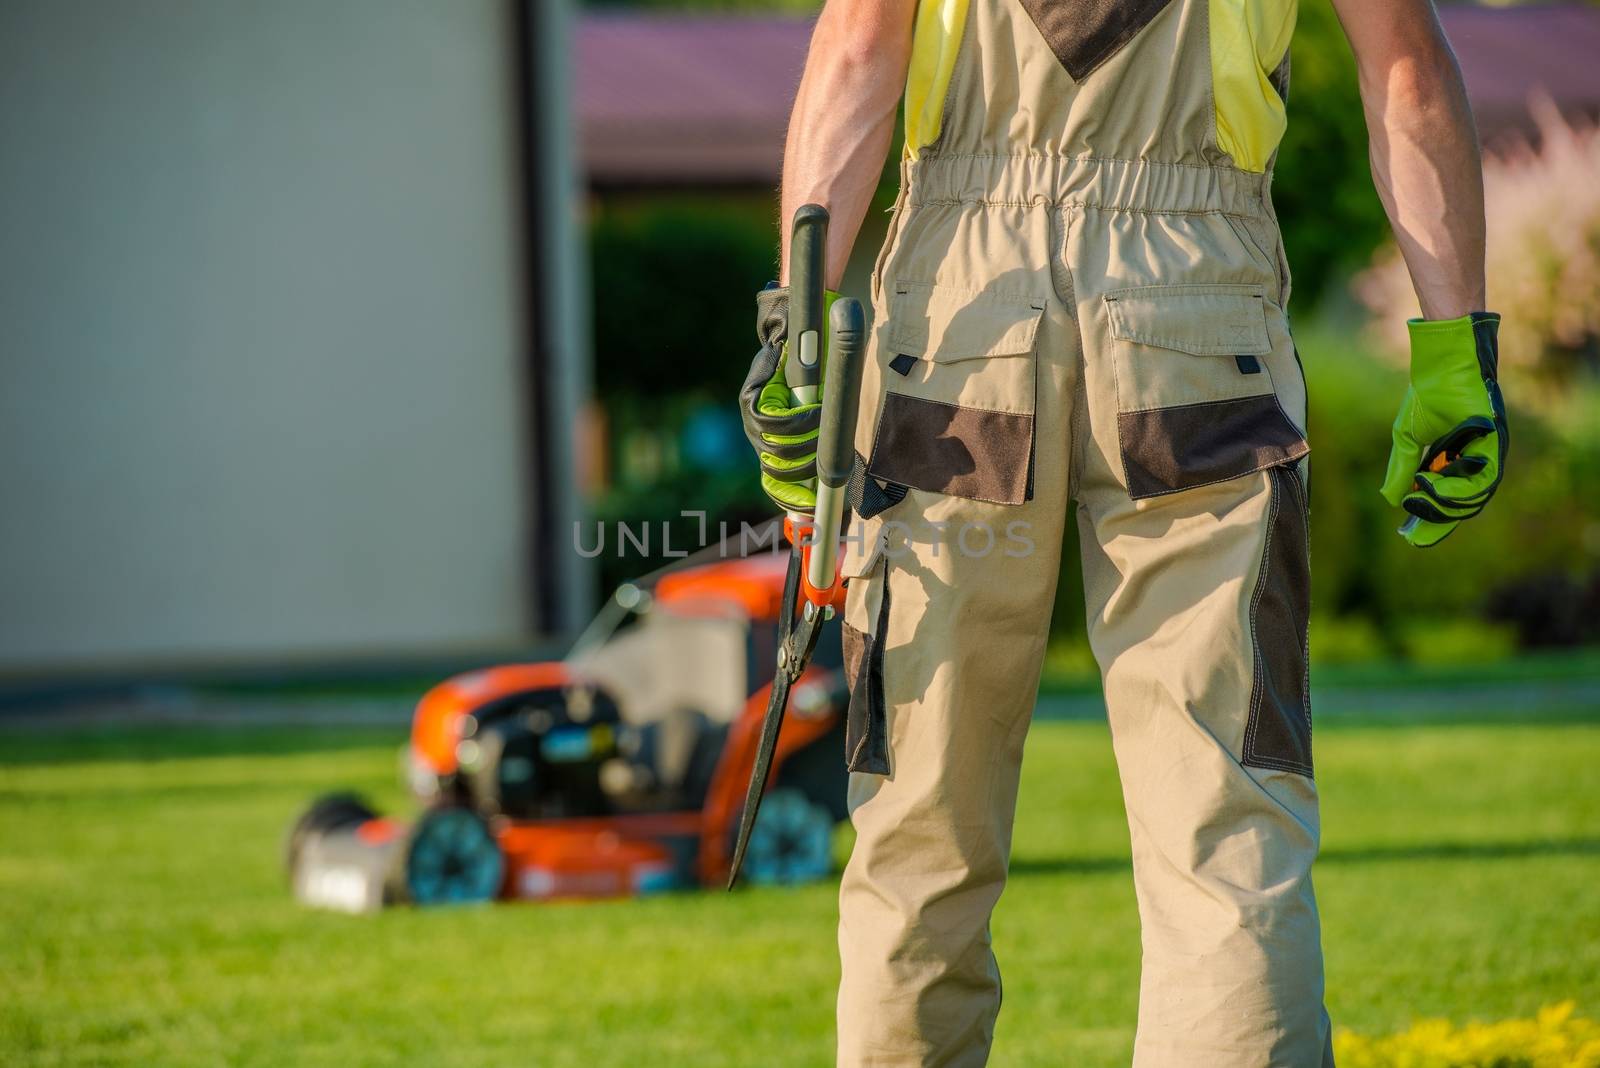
{"x":653,"y":757}
{"x":619,"y":770}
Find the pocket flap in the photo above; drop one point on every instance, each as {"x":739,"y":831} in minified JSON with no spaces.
{"x":1205,"y":320}
{"x":945,"y":324}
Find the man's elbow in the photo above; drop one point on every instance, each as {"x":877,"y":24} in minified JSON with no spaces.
{"x":867,"y":42}
{"x":1419,"y":74}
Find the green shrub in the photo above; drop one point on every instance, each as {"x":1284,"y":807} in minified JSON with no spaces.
{"x":1545,"y":517}
{"x":675,"y":280}
{"x":1322,"y":188}
{"x":1537,"y":544}
{"x":1346,"y":640}
{"x":1069,"y":664}
{"x":1455,"y":641}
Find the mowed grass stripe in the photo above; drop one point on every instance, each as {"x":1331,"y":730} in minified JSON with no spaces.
{"x":144,"y":918}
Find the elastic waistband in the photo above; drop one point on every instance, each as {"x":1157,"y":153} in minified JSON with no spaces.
{"x":1133,"y":185}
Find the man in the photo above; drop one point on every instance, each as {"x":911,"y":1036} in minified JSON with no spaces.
{"x":1079,"y":311}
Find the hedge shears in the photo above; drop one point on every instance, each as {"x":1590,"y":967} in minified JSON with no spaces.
{"x":834,"y":371}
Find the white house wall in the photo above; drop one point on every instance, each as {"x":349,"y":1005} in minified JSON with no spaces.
{"x":260,"y":328}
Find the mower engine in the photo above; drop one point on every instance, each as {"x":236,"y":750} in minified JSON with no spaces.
{"x":533,"y":755}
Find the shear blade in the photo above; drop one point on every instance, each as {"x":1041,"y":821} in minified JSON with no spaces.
{"x":767,"y":745}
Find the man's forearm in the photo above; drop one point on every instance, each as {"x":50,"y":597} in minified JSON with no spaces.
{"x":843,"y":118}
{"x":1428,"y":171}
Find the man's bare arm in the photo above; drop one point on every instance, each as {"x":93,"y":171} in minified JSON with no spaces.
{"x":843,"y":118}
{"x":1424,"y":148}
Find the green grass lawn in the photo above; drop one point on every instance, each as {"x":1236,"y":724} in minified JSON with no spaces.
{"x":144,"y":918}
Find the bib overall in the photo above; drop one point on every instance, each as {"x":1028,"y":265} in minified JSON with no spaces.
{"x":1079,"y":316}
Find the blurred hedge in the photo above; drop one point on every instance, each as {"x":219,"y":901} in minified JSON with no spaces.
{"x":673,"y":277}
{"x":1541,"y":533}
{"x":674,"y":280}
{"x":1322,"y":187}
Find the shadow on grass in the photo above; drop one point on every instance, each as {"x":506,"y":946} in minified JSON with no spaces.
{"x":1384,"y":854}
{"x":40,"y":745}
{"x":1518,"y":707}
{"x":1344,"y":710}
{"x":1025,"y":866}
{"x":1537,"y":847}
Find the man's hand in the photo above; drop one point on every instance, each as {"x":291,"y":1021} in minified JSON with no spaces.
{"x":1450,"y":438}
{"x":844,"y":118}
{"x":783,"y":432}
{"x":839,"y":134}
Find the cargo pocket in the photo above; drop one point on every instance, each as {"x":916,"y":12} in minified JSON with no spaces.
{"x":957,"y":415}
{"x":1196,"y":402}
{"x":1278,"y":732}
{"x":866,"y":735}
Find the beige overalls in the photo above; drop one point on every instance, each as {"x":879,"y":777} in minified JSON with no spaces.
{"x":1079,"y":311}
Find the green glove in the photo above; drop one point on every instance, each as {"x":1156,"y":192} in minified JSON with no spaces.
{"x":782,"y":432}
{"x":1450,"y":438}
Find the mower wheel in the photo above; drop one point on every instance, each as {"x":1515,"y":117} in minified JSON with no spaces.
{"x":792,"y":841}
{"x":328,"y":812}
{"x":450,"y":858}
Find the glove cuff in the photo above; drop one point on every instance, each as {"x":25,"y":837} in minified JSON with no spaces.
{"x":1439,"y":346}
{"x":772,"y":312}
